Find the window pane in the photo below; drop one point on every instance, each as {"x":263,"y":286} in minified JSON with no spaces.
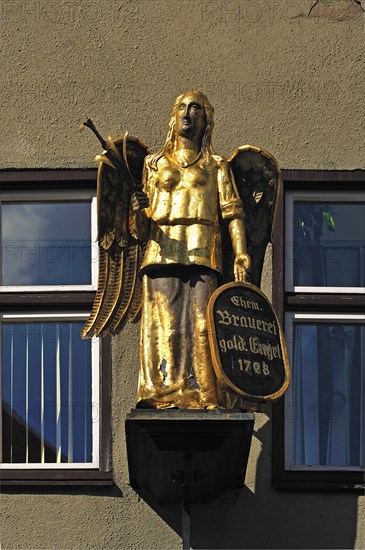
{"x":329,"y":244}
{"x":46,"y":243}
{"x":46,"y":393}
{"x":327,"y":408}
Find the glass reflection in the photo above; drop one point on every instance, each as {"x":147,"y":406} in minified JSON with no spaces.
{"x":329,"y":244}
{"x":46,"y":243}
{"x":328,"y":395}
{"x":46,"y":393}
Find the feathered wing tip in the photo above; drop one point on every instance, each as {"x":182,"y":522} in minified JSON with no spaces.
{"x":118,"y":296}
{"x":127,"y":294}
{"x":88,"y":331}
{"x":111,"y":292}
{"x":257,"y":176}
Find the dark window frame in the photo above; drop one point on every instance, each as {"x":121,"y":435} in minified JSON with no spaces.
{"x":46,"y":180}
{"x":308,"y":180}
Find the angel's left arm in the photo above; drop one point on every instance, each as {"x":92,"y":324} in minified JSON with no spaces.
{"x":232,"y":210}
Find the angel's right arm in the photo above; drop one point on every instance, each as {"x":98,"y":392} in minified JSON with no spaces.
{"x":141,"y":206}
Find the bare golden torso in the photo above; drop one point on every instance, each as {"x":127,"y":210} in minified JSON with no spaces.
{"x":184,"y":195}
{"x":184,"y":212}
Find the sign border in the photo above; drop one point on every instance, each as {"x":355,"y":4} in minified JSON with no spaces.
{"x":214,"y":348}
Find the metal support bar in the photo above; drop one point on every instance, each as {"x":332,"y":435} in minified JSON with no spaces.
{"x":186,"y":518}
{"x":187,"y":481}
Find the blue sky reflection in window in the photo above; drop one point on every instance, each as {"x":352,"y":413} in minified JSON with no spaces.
{"x":46,"y":243}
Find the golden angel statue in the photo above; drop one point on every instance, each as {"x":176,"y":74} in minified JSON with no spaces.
{"x":172,"y":226}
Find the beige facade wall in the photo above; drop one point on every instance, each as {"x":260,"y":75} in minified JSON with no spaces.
{"x":286,"y":75}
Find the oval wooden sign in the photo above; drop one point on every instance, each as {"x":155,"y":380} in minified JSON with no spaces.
{"x":247,"y":344}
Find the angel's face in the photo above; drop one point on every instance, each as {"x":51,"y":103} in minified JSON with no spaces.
{"x":190,"y":117}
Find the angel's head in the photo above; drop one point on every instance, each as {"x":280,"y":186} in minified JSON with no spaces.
{"x":191,"y":112}
{"x":192,"y":116}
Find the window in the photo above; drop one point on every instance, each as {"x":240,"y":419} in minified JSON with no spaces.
{"x":319,"y":428}
{"x":54,"y":423}
{"x":324,"y":242}
{"x":46,"y":243}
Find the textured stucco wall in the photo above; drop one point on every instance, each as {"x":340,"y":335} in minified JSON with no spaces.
{"x":283,"y":74}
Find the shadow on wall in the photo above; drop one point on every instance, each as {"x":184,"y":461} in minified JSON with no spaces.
{"x":271,"y":519}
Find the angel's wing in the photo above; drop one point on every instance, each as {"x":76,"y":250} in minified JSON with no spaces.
{"x":119,"y":292}
{"x":257,"y":177}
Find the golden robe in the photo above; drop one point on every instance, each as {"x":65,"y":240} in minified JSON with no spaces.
{"x":180,"y":271}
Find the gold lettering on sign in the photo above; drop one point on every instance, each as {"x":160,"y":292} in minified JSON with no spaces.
{"x":244,"y":321}
{"x":268,"y":350}
{"x":237,"y":342}
{"x":248,"y":304}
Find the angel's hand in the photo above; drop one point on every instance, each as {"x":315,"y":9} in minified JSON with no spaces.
{"x":241,"y":268}
{"x":139,"y":200}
